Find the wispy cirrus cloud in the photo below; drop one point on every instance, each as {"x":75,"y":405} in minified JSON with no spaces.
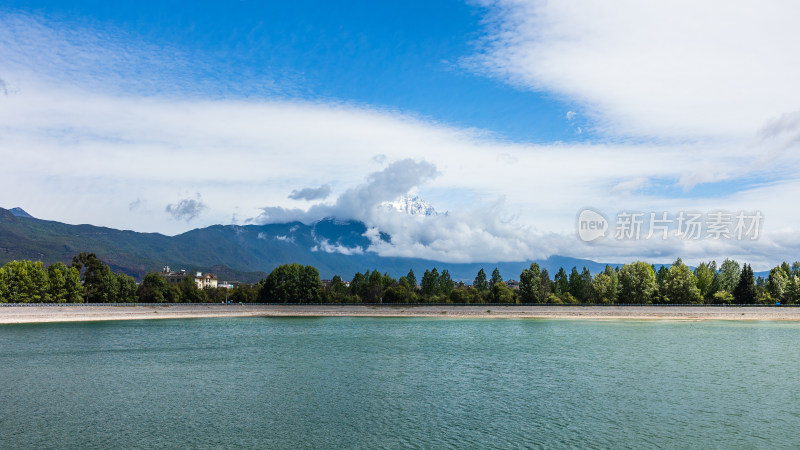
{"x":668,"y":71}
{"x":100,"y":57}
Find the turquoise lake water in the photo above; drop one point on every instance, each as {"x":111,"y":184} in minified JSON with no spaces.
{"x":399,"y":382}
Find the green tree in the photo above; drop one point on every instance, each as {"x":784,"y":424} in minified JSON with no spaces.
{"x":603,"y":288}
{"x":466,"y":295}
{"x":399,"y":294}
{"x":705,"y":274}
{"x":291,"y":283}
{"x":173,"y":294}
{"x":446,"y":284}
{"x":65,"y":284}
{"x":244,"y":293}
{"x":73,"y":286}
{"x":561,"y":282}
{"x":24,"y":282}
{"x":722,"y":298}
{"x":729,"y":274}
{"x":661,"y":284}
{"x":127,"y":289}
{"x":745,"y":291}
{"x":575,"y":282}
{"x":100,"y":285}
{"x":154,"y":288}
{"x":430,"y":282}
{"x":546,"y":285}
{"x":358,"y":285}
{"x":501,"y":293}
{"x":586,"y":277}
{"x":374,"y":289}
{"x":388,"y":281}
{"x":637,"y":283}
{"x":403,"y":282}
{"x":310,"y":284}
{"x":480,"y":283}
{"x":778,"y":283}
{"x":337,"y":285}
{"x":412,"y":279}
{"x":190,"y":292}
{"x":4,"y":288}
{"x":787,"y":269}
{"x":761,"y":290}
{"x":793,"y":289}
{"x":681,"y":285}
{"x":56,"y":275}
{"x":580,"y":284}
{"x":216,"y":294}
{"x":530,"y":285}
{"x":496,"y":278}
{"x":613,"y":275}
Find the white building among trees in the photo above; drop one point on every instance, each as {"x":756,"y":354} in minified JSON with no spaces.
{"x":202,"y":280}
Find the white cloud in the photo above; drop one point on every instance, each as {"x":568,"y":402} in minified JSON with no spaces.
{"x":318,"y":193}
{"x":78,"y":148}
{"x":289,"y":239}
{"x":136,"y":204}
{"x":105,"y":58}
{"x":186,"y":209}
{"x":777,"y":136}
{"x":627,"y":187}
{"x":82,"y":157}
{"x":361,"y":201}
{"x":669,"y":70}
{"x":325,"y":246}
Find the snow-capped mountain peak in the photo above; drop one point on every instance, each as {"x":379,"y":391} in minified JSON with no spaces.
{"x":411,"y":205}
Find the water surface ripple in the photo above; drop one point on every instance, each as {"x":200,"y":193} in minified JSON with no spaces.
{"x":399,"y":382}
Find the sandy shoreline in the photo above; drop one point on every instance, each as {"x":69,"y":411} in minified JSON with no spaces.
{"x":81,"y":313}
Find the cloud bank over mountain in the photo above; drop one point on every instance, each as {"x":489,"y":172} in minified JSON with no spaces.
{"x":464,"y":236}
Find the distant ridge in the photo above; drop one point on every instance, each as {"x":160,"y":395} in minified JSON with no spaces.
{"x":19,"y":212}
{"x":242,"y":253}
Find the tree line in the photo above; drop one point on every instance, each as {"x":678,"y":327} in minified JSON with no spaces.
{"x":634,"y":283}
{"x":89,"y":280}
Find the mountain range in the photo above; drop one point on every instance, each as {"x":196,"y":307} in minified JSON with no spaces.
{"x":235,"y":252}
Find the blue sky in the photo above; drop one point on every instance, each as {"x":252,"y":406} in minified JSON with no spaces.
{"x":510,"y":115}
{"x":402,"y":56}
